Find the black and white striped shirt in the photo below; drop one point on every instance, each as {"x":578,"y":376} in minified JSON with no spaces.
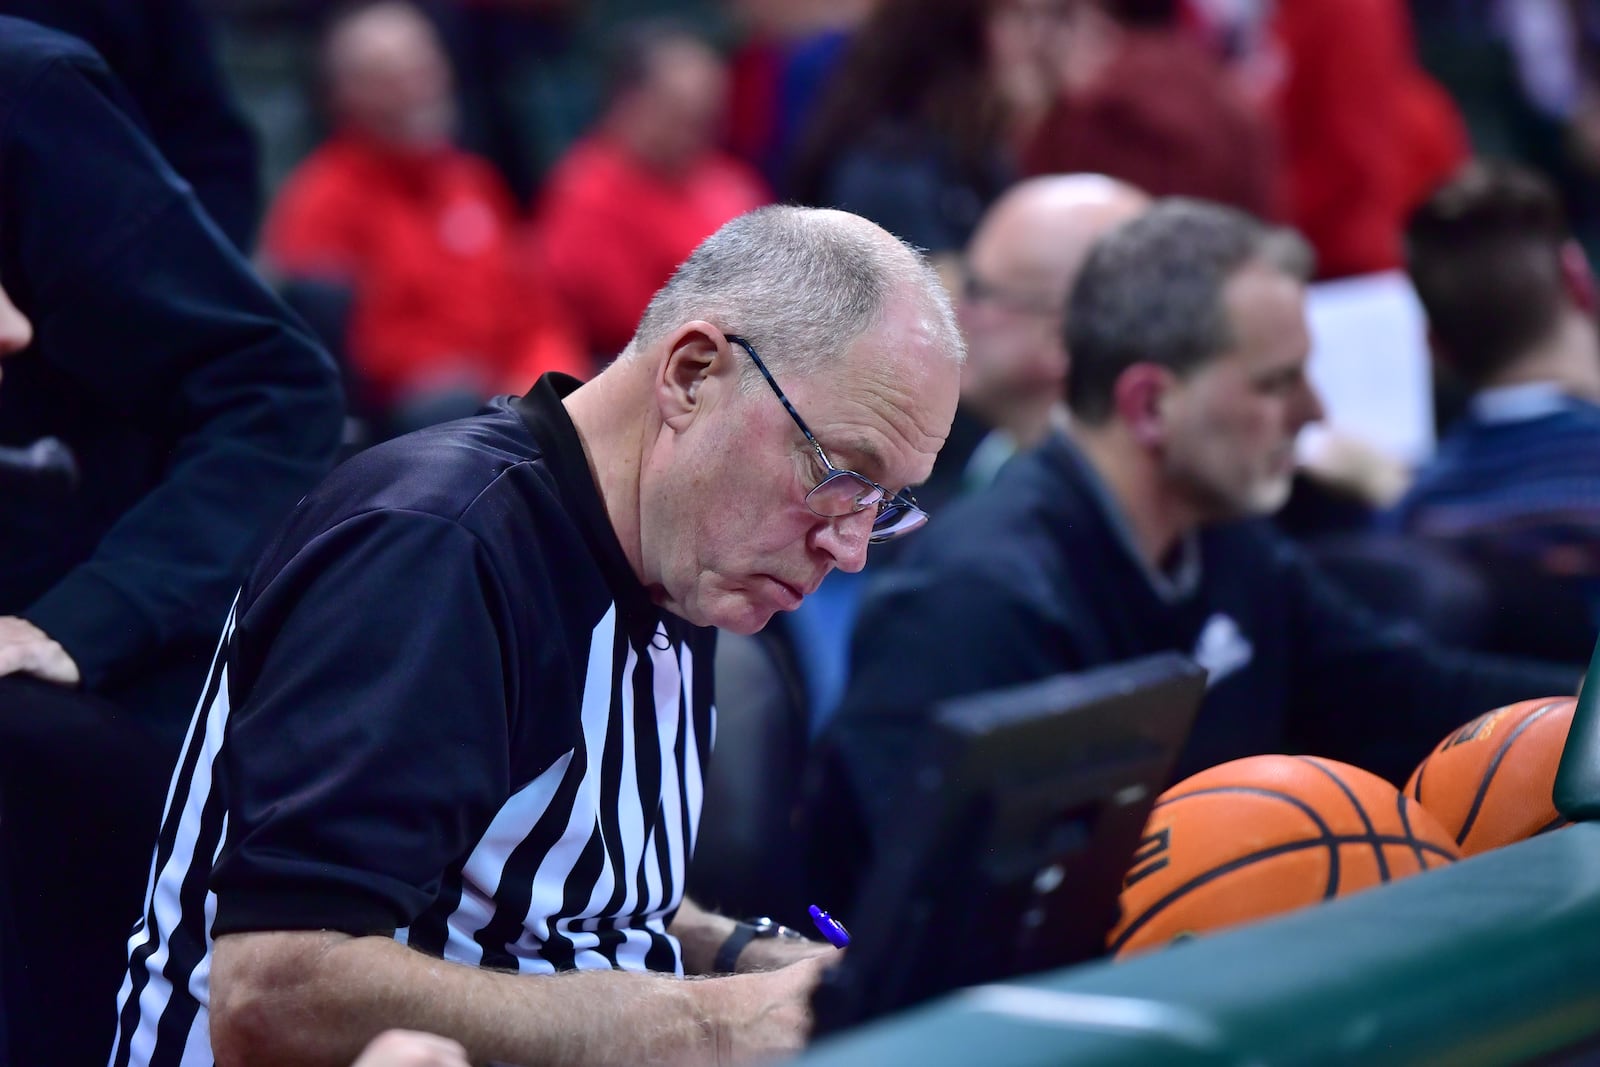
{"x":443,"y":708}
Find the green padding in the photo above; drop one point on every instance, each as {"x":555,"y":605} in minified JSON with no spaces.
{"x":1577,"y":788}
{"x":1491,"y":961}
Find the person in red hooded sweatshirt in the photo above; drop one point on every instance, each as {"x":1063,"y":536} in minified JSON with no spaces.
{"x":446,"y":308}
{"x":633,"y":198}
{"x":1365,"y":134}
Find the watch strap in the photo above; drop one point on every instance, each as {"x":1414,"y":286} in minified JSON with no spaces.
{"x":727,"y":957}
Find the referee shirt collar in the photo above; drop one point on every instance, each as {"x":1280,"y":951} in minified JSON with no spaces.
{"x":545,"y":415}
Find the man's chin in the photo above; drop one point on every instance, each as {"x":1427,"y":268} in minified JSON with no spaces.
{"x":1269,"y":497}
{"x":735,"y":616}
{"x":1259,"y":501}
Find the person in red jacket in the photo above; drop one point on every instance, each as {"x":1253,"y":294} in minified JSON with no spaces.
{"x":632,"y":199}
{"x":447,"y":309}
{"x":1365,"y":134}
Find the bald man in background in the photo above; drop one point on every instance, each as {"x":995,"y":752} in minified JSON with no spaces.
{"x":1019,"y":267}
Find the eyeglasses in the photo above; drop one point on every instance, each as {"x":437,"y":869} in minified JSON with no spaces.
{"x":844,"y":492}
{"x":976,"y":290}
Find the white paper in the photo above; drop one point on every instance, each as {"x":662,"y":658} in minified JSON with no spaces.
{"x":1370,"y":364}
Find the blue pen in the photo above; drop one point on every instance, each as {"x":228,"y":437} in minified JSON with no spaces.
{"x":829,"y":927}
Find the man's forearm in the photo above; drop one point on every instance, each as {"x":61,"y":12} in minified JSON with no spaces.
{"x":317,"y":998}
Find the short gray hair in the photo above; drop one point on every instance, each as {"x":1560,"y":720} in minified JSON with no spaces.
{"x":801,"y":285}
{"x":1151,"y":292}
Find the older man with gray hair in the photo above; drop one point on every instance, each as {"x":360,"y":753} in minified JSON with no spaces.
{"x":447,"y":771}
{"x":1140,"y":530}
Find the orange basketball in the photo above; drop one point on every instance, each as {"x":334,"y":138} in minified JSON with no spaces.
{"x":1489,"y":783}
{"x":1264,"y":835}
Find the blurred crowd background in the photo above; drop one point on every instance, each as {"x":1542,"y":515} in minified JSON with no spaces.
{"x":460,"y":195}
{"x":606,"y":137}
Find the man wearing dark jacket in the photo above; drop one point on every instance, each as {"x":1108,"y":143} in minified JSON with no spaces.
{"x":1143,"y":530}
{"x":198,"y":411}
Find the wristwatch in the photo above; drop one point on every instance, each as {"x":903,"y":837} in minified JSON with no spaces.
{"x":745,"y":932}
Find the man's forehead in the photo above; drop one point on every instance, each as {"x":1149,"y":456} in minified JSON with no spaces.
{"x":885,"y":401}
{"x":1050,"y":233}
{"x":1263,"y":298}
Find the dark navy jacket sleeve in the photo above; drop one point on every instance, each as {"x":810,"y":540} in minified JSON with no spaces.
{"x":144,"y":314}
{"x":372,"y":750}
{"x":920,"y":638}
{"x":1380,"y":694}
{"x":162,"y":52}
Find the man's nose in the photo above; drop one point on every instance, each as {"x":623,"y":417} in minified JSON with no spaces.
{"x":1311,"y":409}
{"x":846,"y":539}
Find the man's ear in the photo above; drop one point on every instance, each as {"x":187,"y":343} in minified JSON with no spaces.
{"x":697,"y":353}
{"x":1139,"y":399}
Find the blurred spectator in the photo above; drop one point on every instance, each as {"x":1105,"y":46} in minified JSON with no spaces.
{"x":920,"y":127}
{"x":634,"y":198}
{"x":1511,"y":307}
{"x":790,"y":49}
{"x":1161,"y":112}
{"x":446,"y":310}
{"x":503,"y":51}
{"x":1527,"y":76}
{"x":1017,"y":273}
{"x":198,"y":410}
{"x":161,"y":50}
{"x":1365,"y":134}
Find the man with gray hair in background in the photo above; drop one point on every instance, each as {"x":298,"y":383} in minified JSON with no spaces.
{"x":1140,"y":530}
{"x":447,"y":771}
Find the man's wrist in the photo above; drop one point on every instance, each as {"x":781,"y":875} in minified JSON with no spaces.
{"x":762,"y":932}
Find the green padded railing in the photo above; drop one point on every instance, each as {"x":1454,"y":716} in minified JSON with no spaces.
{"x":1577,"y":792}
{"x":1491,"y":961}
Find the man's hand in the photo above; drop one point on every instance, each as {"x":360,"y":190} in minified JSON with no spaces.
{"x":26,"y":649}
{"x":1355,"y":466}
{"x":772,"y":953}
{"x":758,"y":1016}
{"x":411,"y":1048}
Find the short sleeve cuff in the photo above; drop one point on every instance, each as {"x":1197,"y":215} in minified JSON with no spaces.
{"x":241,"y":911}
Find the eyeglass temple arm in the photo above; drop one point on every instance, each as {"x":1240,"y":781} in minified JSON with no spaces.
{"x":784,"y":400}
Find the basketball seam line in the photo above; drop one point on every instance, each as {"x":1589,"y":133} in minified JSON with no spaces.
{"x":1554,"y":824}
{"x":1405,"y":824}
{"x":1355,"y":802}
{"x":1252,"y":790}
{"x":1416,"y":787}
{"x":1262,"y":854}
{"x":1494,"y":766}
{"x":1332,"y":888}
